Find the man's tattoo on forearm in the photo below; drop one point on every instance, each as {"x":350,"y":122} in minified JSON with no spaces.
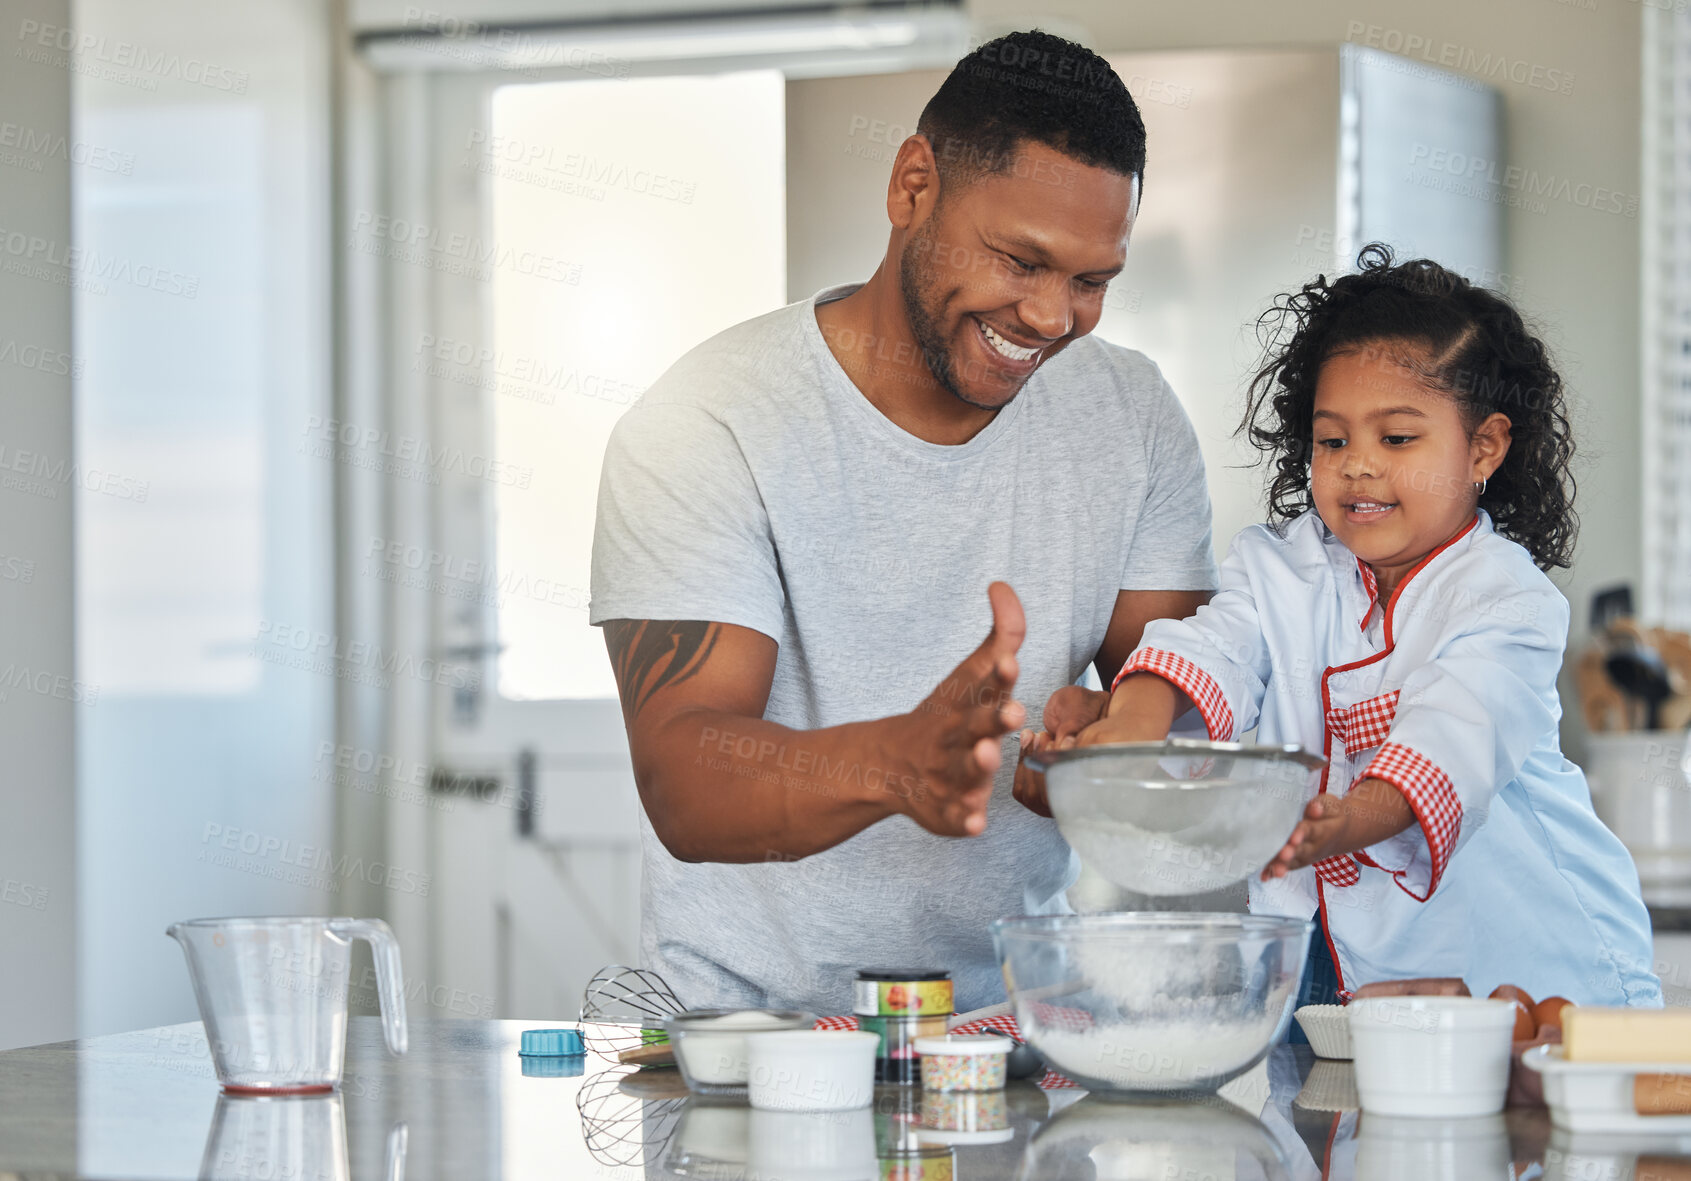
{"x":647,"y":654}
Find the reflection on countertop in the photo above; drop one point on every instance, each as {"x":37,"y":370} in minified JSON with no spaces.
{"x":462,"y":1104}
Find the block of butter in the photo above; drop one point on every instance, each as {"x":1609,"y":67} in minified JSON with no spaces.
{"x":1592,"y":1034}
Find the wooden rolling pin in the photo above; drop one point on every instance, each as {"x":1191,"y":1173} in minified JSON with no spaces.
{"x":1661,"y":1094}
{"x":1662,"y":1168}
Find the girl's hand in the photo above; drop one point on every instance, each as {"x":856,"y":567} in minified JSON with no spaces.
{"x":1073,"y":708}
{"x":1120,"y":727}
{"x":1320,"y":834}
{"x":1373,"y":811}
{"x":1070,"y":710}
{"x":1142,"y":709}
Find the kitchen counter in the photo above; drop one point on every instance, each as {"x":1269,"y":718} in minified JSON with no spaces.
{"x":459,"y":1105}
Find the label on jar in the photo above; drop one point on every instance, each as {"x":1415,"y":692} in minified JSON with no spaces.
{"x":916,"y":1168}
{"x":891,"y":998}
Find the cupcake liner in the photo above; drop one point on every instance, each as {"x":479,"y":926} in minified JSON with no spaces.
{"x":1328,"y":1029}
{"x":1331,"y":1086}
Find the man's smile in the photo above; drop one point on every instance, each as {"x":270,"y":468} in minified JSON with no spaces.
{"x":1017,"y":356}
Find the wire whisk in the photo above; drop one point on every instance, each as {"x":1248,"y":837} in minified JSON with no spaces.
{"x":621,"y":1128}
{"x":624,"y":1009}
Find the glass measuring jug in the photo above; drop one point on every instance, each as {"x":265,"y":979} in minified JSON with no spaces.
{"x":272,"y":994}
{"x":294,"y":1137}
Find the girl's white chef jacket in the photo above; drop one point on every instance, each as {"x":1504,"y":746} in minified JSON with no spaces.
{"x":1449,"y":694}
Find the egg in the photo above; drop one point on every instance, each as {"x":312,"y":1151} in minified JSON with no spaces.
{"x":1508,"y":992}
{"x":1549,"y":1010}
{"x":1525,"y":1027}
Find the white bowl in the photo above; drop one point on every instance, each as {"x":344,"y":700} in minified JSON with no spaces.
{"x":1392,"y":1148}
{"x":1328,"y":1030}
{"x":1443,"y":1056}
{"x":710,"y":1044}
{"x":811,"y":1070}
{"x":813,"y":1145}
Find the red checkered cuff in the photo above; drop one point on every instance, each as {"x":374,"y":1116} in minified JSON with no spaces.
{"x":1433,"y":799}
{"x":1190,"y":680}
{"x":1338,"y":871}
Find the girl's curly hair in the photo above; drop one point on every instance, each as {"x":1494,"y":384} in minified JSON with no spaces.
{"x":1458,"y":338}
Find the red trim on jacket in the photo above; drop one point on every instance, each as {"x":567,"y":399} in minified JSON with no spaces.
{"x":1436,"y":804}
{"x":1191,"y":680}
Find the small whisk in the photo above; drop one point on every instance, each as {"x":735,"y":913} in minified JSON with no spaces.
{"x":624,"y":1009}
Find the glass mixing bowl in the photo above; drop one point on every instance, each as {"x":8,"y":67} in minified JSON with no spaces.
{"x":1179,"y":816}
{"x":1103,"y":1139}
{"x":1152,"y":1003}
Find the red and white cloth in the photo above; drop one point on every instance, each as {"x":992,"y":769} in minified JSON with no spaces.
{"x":1004,"y":1023}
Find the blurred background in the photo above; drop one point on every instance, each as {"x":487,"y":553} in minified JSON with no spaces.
{"x":315,"y":316}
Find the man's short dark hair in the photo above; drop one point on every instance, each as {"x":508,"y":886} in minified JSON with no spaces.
{"x":1039,"y":87}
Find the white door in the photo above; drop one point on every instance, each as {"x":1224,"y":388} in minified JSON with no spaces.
{"x":579,"y":237}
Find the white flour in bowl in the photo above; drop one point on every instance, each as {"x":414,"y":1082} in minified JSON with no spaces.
{"x":1156,"y":1056}
{"x":1162,"y":1018}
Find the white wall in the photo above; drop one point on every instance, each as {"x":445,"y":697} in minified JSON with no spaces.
{"x":37,"y":713}
{"x":205,"y":580}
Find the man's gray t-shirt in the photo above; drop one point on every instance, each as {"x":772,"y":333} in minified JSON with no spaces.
{"x":754,"y":484}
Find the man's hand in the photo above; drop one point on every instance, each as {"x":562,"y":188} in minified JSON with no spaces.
{"x":1373,"y":811}
{"x":952,"y":742}
{"x":1070,"y":710}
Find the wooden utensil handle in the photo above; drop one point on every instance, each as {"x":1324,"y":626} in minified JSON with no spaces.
{"x":656,"y":1054}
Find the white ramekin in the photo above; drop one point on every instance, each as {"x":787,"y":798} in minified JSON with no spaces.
{"x":1395,"y":1148}
{"x":811,"y":1070}
{"x":813,"y":1145}
{"x":1443,"y":1056}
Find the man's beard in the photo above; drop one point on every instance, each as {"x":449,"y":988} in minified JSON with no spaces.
{"x":914,"y":275}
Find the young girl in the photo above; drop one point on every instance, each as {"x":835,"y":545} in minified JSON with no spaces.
{"x":1395,"y":617}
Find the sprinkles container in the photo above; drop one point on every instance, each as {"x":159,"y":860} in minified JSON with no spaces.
{"x":962,"y":1112}
{"x":960,"y":1063}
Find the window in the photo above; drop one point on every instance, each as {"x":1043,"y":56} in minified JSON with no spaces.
{"x":655,"y":213}
{"x":1666,"y":215}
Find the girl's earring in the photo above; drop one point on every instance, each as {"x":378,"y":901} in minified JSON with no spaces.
{"x":1480,"y":487}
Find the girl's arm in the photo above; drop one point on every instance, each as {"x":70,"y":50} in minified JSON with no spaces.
{"x":1215,"y":662}
{"x":1372,"y":811}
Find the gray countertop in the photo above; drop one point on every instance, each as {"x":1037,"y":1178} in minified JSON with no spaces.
{"x":459,"y":1105}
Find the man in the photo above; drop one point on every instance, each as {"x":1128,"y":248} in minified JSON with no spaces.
{"x":805,"y":525}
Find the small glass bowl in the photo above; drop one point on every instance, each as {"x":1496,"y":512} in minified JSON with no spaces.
{"x":710,"y":1044}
